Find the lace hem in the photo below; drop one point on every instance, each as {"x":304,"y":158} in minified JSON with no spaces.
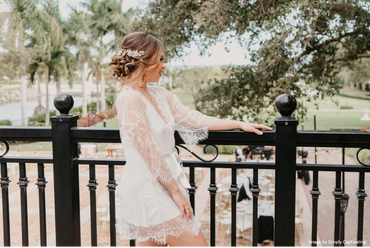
{"x":158,"y":233}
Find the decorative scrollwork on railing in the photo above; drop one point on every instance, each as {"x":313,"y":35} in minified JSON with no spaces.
{"x":6,"y":148}
{"x":204,"y":150}
{"x":358,"y":159}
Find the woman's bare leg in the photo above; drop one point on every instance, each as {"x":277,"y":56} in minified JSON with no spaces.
{"x":150,"y":243}
{"x":187,"y":239}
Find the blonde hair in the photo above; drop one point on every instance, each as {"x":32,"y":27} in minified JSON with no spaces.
{"x":123,"y":65}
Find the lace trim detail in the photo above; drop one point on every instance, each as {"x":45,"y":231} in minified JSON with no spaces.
{"x":192,"y":136}
{"x":191,"y":124}
{"x":158,"y":233}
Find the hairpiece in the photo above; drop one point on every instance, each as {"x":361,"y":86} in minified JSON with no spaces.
{"x":130,"y":53}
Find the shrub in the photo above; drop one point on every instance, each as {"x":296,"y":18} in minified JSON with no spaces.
{"x":81,"y":123}
{"x":87,"y":120}
{"x":39,"y":120}
{"x":76,"y":111}
{"x":343,"y":129}
{"x":346,"y":107}
{"x":100,"y":117}
{"x":109,"y":101}
{"x":5,"y":123}
{"x":364,"y":155}
{"x":367,"y":87}
{"x":226,"y":149}
{"x":111,"y":113}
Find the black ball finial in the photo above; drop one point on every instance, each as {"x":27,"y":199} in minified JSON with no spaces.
{"x":63,"y":102}
{"x":286,"y":104}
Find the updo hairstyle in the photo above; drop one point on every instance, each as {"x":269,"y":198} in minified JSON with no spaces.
{"x":123,"y":65}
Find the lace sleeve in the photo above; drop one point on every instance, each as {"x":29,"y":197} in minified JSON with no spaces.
{"x":191,"y":124}
{"x":134,"y":128}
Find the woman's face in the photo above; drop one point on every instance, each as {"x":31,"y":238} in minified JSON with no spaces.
{"x":154,"y":74}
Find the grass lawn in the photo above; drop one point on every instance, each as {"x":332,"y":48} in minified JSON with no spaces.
{"x":36,"y":146}
{"x":47,"y":146}
{"x":330,"y":116}
{"x":110,"y":123}
{"x":355,"y":93}
{"x":357,"y":104}
{"x":326,"y":120}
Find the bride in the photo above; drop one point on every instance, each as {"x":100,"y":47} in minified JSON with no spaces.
{"x":154,"y":204}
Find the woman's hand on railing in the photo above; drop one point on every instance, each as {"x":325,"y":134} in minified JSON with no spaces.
{"x":245,"y":126}
{"x":254,"y":128}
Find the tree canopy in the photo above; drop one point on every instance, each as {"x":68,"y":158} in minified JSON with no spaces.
{"x":37,"y":43}
{"x":290,"y":43}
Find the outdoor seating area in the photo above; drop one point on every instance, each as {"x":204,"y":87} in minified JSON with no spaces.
{"x":245,"y":203}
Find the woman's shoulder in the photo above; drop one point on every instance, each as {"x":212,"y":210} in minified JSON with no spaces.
{"x":163,"y":91}
{"x":160,"y":89}
{"x":127,"y":94}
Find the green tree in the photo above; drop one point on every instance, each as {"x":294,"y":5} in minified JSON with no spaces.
{"x":360,"y":74}
{"x":193,"y":79}
{"x":29,"y":21}
{"x":288,"y":42}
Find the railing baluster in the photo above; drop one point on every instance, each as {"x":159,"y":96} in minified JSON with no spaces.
{"x":132,"y":242}
{"x":193,"y":188}
{"x":23,"y":183}
{"x":5,"y":200}
{"x":213,"y":191}
{"x":92,"y":187}
{"x":361,"y":198}
{"x":255,"y":191}
{"x":233,"y":191}
{"x":315,"y":196}
{"x":112,"y":205}
{"x":342,"y":232}
{"x":337,"y":197}
{"x":41,"y":184}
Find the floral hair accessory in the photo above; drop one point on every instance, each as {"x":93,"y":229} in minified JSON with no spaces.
{"x":130,"y":53}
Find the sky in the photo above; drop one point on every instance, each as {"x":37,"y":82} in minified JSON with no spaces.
{"x":236,"y":55}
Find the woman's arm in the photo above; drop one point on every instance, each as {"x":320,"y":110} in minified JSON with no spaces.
{"x":191,"y":118}
{"x":230,"y":125}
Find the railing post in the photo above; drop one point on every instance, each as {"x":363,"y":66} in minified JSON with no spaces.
{"x":285,"y":172}
{"x":66,"y":183}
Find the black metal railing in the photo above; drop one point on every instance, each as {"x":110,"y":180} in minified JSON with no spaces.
{"x":64,"y":135}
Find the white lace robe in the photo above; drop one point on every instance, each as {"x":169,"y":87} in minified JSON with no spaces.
{"x":147,"y":210}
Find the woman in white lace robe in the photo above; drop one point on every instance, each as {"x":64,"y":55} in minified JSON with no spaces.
{"x":154,"y":206}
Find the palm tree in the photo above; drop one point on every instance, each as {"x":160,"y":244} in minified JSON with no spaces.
{"x":51,"y":66}
{"x":29,"y":20}
{"x":96,"y":71}
{"x":106,"y":16}
{"x":37,"y":72}
{"x":76,"y":30}
{"x":52,"y":61}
